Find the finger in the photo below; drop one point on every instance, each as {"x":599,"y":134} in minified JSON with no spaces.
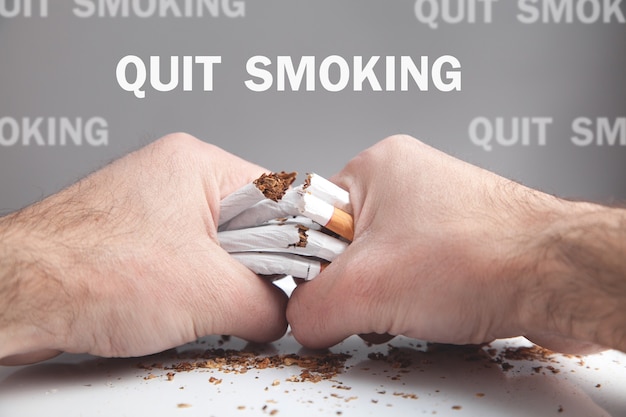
{"x":231,"y":171}
{"x":566,"y":345}
{"x":220,"y":169}
{"x":29,"y":358}
{"x":310,"y":326}
{"x":248,"y":306}
{"x":335,"y":305}
{"x":216,"y":172}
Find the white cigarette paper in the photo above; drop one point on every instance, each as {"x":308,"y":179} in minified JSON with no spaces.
{"x":271,"y":186}
{"x":328,"y":191}
{"x":235,"y":203}
{"x":295,"y":202}
{"x":262,"y":212}
{"x":276,"y":231}
{"x":295,"y":221}
{"x":315,"y":209}
{"x":282,"y":239}
{"x":280,"y":264}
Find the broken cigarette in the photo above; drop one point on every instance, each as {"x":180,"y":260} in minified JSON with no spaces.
{"x":271,"y":186}
{"x":297,"y":240}
{"x":295,"y":220}
{"x":332,"y":218}
{"x":261,"y":213}
{"x":276,"y":231}
{"x":296,"y":202}
{"x":281,"y":264}
{"x":327,"y":191}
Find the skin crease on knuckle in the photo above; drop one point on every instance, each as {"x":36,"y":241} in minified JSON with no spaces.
{"x":228,"y":171}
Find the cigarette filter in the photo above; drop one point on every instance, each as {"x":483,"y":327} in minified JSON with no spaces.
{"x":327,"y":215}
{"x":296,"y":202}
{"x":280,"y":264}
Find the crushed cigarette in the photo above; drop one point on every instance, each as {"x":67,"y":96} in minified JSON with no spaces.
{"x":268,"y":186}
{"x":274,"y":230}
{"x":327,"y":191}
{"x":274,"y":185}
{"x":327,"y":215}
{"x":296,"y":202}
{"x":296,"y":220}
{"x":265,"y":211}
{"x":267,"y":263}
{"x":282,"y":239}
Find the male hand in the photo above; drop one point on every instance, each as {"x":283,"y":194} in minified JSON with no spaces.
{"x":126,"y":262}
{"x":447,"y":252}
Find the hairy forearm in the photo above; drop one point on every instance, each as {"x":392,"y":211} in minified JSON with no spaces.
{"x":8,"y":278}
{"x":581,"y":287}
{"x":28,"y":296}
{"x":12,"y":314}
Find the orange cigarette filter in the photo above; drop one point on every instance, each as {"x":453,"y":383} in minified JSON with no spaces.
{"x":332,"y":218}
{"x":341,"y":223}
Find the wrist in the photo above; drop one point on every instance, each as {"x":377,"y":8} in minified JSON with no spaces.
{"x":29,"y":292}
{"x":577,"y":288}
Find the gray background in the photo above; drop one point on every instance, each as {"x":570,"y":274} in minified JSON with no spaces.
{"x":64,"y":66}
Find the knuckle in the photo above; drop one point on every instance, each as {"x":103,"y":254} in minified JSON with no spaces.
{"x":176,"y":141}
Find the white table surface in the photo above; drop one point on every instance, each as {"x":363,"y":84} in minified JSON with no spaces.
{"x":443,"y":382}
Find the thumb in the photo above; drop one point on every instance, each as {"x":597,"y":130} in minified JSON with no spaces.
{"x":336,"y":304}
{"x":29,"y":358}
{"x":242,"y":304}
{"x":312,"y":311}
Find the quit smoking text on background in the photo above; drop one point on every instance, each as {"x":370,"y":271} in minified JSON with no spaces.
{"x":434,"y":12}
{"x":129,"y":8}
{"x":54,"y":131}
{"x":429,"y":12}
{"x":334,"y":73}
{"x":527,"y":131}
